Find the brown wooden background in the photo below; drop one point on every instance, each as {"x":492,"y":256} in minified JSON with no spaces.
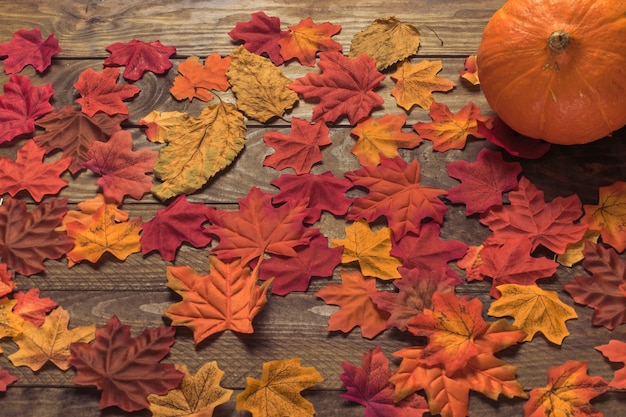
{"x":291,"y":326}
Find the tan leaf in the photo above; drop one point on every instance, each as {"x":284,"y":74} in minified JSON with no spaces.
{"x":386,"y":40}
{"x":260,"y":87}
{"x":415,"y":84}
{"x":159,"y":123}
{"x":574,"y":252}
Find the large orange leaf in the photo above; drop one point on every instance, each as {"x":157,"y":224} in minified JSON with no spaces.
{"x":196,"y":80}
{"x":415,"y":84}
{"x":353,"y":296}
{"x":278,"y":391}
{"x":609,"y":215}
{"x":50,"y":342}
{"x":567,"y":393}
{"x":226,"y":298}
{"x":307,"y":38}
{"x":382,"y":136}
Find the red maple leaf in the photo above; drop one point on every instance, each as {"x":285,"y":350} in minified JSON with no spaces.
{"x":512,"y":263}
{"x":28,"y":48}
{"x":356,"y":308}
{"x":415,"y":292}
{"x":122,"y":171}
{"x":615,"y":351}
{"x":344,"y":87}
{"x":428,"y":252}
{"x":21,"y":104}
{"x":139,"y":57}
{"x":601,"y":291}
{"x":259,"y":227}
{"x":6,"y":379}
{"x":515,"y":144}
{"x":300,"y":149}
{"x":126,"y":369}
{"x":294,"y":273}
{"x":529,"y":216}
{"x":304,"y":40}
{"x":33,"y":308}
{"x":179,"y":222}
{"x":324,"y":192}
{"x":29,"y":173}
{"x":483,"y":181}
{"x":369,"y":386}
{"x":74,"y":132}
{"x":395,"y":192}
{"x":6,"y":280}
{"x":101,"y":92}
{"x":28,"y":238}
{"x":260,"y":35}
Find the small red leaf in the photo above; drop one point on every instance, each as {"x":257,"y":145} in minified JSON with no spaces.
{"x":28,"y":48}
{"x":260,"y":35}
{"x":139,"y":57}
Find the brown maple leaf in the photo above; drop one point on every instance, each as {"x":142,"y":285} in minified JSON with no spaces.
{"x":416,"y":82}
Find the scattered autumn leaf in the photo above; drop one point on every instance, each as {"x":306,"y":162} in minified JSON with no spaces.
{"x":568,"y":392}
{"x":158,"y":124}
{"x":512,"y":142}
{"x":415,"y":84}
{"x":7,"y":284}
{"x":33,"y":308}
{"x":11,"y":324}
{"x":344,"y":87}
{"x":197,"y":395}
{"x":353,"y":296}
{"x":371,"y":249}
{"x":99,"y":91}
{"x":88,"y":207}
{"x":6,"y":379}
{"x":195,"y":80}
{"x":260,"y":87}
{"x":139,"y":56}
{"x":382,"y":136}
{"x":470,"y":73}
{"x":387,"y":40}
{"x":225,"y":299}
{"x":615,"y":351}
{"x":261,"y":35}
{"x":278,"y":392}
{"x":27,"y":47}
{"x":574,"y":252}
{"x":300,"y":149}
{"x":304,"y":40}
{"x":49,"y":342}
{"x":126,"y":369}
{"x":609,"y":215}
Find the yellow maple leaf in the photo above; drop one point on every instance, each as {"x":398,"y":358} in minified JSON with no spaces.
{"x":159,"y":123}
{"x":199,"y":148}
{"x":197,"y":395}
{"x":609,"y":215}
{"x":278,"y":391}
{"x":11,"y":324}
{"x":371,"y":249}
{"x":50,"y":342}
{"x":102,"y":235}
{"x":260,"y":87}
{"x":416,"y":82}
{"x":534,"y":310}
{"x":387,"y":40}
{"x":574,"y":252}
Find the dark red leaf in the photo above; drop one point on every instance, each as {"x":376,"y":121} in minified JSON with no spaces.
{"x":139,"y":57}
{"x":6,"y":379}
{"x":261,"y":35}
{"x":28,"y":48}
{"x":515,"y":144}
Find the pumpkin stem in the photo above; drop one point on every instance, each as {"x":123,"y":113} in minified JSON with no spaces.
{"x":558,"y":40}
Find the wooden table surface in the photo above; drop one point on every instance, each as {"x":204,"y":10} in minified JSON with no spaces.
{"x":294,"y":325}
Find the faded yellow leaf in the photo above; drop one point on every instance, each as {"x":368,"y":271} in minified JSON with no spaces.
{"x":278,"y":391}
{"x":386,"y":40}
{"x":574,"y":252}
{"x":371,"y":249}
{"x":534,"y":310}
{"x":50,"y":342}
{"x":159,"y":123}
{"x":415,"y":84}
{"x":197,"y":395}
{"x":11,"y":324}
{"x":199,"y":148}
{"x":260,"y":87}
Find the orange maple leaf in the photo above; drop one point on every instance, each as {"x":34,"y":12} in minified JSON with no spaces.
{"x":416,"y":82}
{"x":609,"y":215}
{"x":450,"y":130}
{"x":383,"y":136}
{"x":307,"y":38}
{"x":353,"y":296}
{"x":196,"y":80}
{"x":226,"y":298}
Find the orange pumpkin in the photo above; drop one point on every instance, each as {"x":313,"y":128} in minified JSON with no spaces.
{"x":556,"y":69}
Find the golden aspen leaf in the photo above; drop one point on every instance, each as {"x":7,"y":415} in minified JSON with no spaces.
{"x":415,"y":84}
{"x":278,"y":391}
{"x":102,"y":235}
{"x":574,"y":252}
{"x":197,"y":395}
{"x":386,"y":40}
{"x":50,"y":342}
{"x":260,"y":87}
{"x":609,"y":215}
{"x":534,"y":310}
{"x":371,"y":249}
{"x":11,"y":324}
{"x":198,"y":148}
{"x":159,"y":123}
